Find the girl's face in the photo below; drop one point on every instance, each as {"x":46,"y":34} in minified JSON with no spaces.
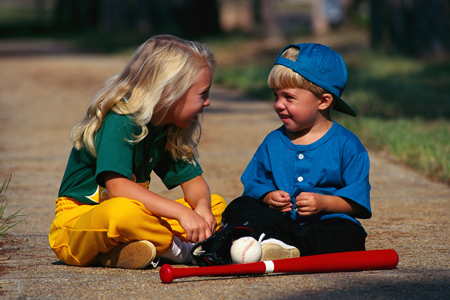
{"x":187,"y":109}
{"x":297,"y":108}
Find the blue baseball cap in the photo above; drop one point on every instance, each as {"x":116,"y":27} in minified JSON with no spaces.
{"x":323,"y":67}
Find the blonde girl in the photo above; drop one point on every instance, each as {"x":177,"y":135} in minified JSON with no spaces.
{"x":144,"y":119}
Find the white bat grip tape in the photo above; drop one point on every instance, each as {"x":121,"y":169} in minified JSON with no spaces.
{"x":269,"y":266}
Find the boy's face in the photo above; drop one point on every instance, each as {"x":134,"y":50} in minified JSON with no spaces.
{"x":297,"y":108}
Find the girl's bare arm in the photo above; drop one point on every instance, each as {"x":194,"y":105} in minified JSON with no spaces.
{"x":197,"y":193}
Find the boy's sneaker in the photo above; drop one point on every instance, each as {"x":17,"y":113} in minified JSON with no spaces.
{"x":132,"y":255}
{"x":273,"y":249}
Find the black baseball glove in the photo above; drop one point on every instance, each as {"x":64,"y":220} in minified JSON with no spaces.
{"x":215,"y":250}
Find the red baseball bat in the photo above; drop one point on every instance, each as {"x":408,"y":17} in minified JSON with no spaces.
{"x":333,"y":262}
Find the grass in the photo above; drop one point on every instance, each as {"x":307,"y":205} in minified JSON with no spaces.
{"x":8,"y":222}
{"x":250,"y":79}
{"x":421,"y":144}
{"x":403,"y":105}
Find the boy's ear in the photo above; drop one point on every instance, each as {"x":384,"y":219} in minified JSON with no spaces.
{"x":325,"y":101}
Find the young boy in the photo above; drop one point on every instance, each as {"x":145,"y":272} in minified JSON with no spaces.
{"x":309,"y":179}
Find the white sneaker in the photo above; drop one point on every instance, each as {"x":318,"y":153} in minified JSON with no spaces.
{"x":273,"y":249}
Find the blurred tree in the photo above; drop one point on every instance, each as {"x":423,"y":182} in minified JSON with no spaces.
{"x":40,"y":11}
{"x":265,"y":16}
{"x":326,"y":14}
{"x":189,"y":18}
{"x":205,"y":17}
{"x":71,"y":15}
{"x":411,"y":27}
{"x":320,"y":24}
{"x":112,"y":15}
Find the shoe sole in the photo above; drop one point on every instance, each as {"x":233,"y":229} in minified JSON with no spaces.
{"x":274,"y":251}
{"x":133,"y":255}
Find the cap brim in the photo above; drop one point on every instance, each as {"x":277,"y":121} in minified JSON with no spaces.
{"x":343,"y":107}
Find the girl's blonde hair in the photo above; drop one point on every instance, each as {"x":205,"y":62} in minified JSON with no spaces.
{"x":158,"y":74}
{"x":281,"y":77}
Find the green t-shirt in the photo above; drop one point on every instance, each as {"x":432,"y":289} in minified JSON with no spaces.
{"x":83,"y":179}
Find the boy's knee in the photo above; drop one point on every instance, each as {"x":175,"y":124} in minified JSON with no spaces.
{"x":244,"y":203}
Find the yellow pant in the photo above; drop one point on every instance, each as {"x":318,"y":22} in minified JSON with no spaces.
{"x":78,"y":234}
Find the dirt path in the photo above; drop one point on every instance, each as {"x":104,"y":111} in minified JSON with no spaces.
{"x":42,"y":98}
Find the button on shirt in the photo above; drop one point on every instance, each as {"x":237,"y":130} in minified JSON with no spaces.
{"x":300,"y":156}
{"x":337,"y":164}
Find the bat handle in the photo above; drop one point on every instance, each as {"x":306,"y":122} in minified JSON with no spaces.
{"x":166,"y":273}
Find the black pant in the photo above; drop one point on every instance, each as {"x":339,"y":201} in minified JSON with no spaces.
{"x":326,"y":236}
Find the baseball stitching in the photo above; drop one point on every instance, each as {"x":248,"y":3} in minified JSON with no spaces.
{"x":245,"y":250}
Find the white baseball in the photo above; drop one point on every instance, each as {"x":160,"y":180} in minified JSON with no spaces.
{"x":245,"y":250}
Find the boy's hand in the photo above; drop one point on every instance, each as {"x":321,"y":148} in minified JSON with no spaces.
{"x":310,"y":203}
{"x":279,"y":200}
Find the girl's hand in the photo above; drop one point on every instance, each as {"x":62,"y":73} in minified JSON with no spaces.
{"x":196,"y":227}
{"x":279,"y":200}
{"x":206,"y":213}
{"x":196,"y":192}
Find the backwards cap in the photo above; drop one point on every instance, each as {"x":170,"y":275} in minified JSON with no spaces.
{"x":323,"y":67}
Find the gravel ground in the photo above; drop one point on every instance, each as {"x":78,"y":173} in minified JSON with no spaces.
{"x":43,"y":97}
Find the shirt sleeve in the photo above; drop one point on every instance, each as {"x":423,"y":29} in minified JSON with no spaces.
{"x":356,"y":183}
{"x":115,"y":147}
{"x":257,"y":177}
{"x":174,"y":172}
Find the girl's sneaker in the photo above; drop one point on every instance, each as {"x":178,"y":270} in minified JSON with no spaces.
{"x":132,"y":255}
{"x":273,"y":249}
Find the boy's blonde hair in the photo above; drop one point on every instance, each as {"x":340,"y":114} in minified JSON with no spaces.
{"x":158,"y":74}
{"x":281,"y":77}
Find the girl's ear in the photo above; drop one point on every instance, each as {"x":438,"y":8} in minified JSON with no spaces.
{"x":325,"y":101}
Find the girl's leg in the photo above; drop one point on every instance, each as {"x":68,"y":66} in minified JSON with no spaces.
{"x":327,"y":236}
{"x":78,"y":235}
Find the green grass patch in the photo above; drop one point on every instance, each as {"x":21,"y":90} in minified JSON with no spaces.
{"x":419,"y":143}
{"x":8,"y":221}
{"x":16,"y":15}
{"x":24,"y":21}
{"x":394,"y":87}
{"x":250,"y":79}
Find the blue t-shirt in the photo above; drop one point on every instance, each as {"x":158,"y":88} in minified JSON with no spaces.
{"x":337,"y":164}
